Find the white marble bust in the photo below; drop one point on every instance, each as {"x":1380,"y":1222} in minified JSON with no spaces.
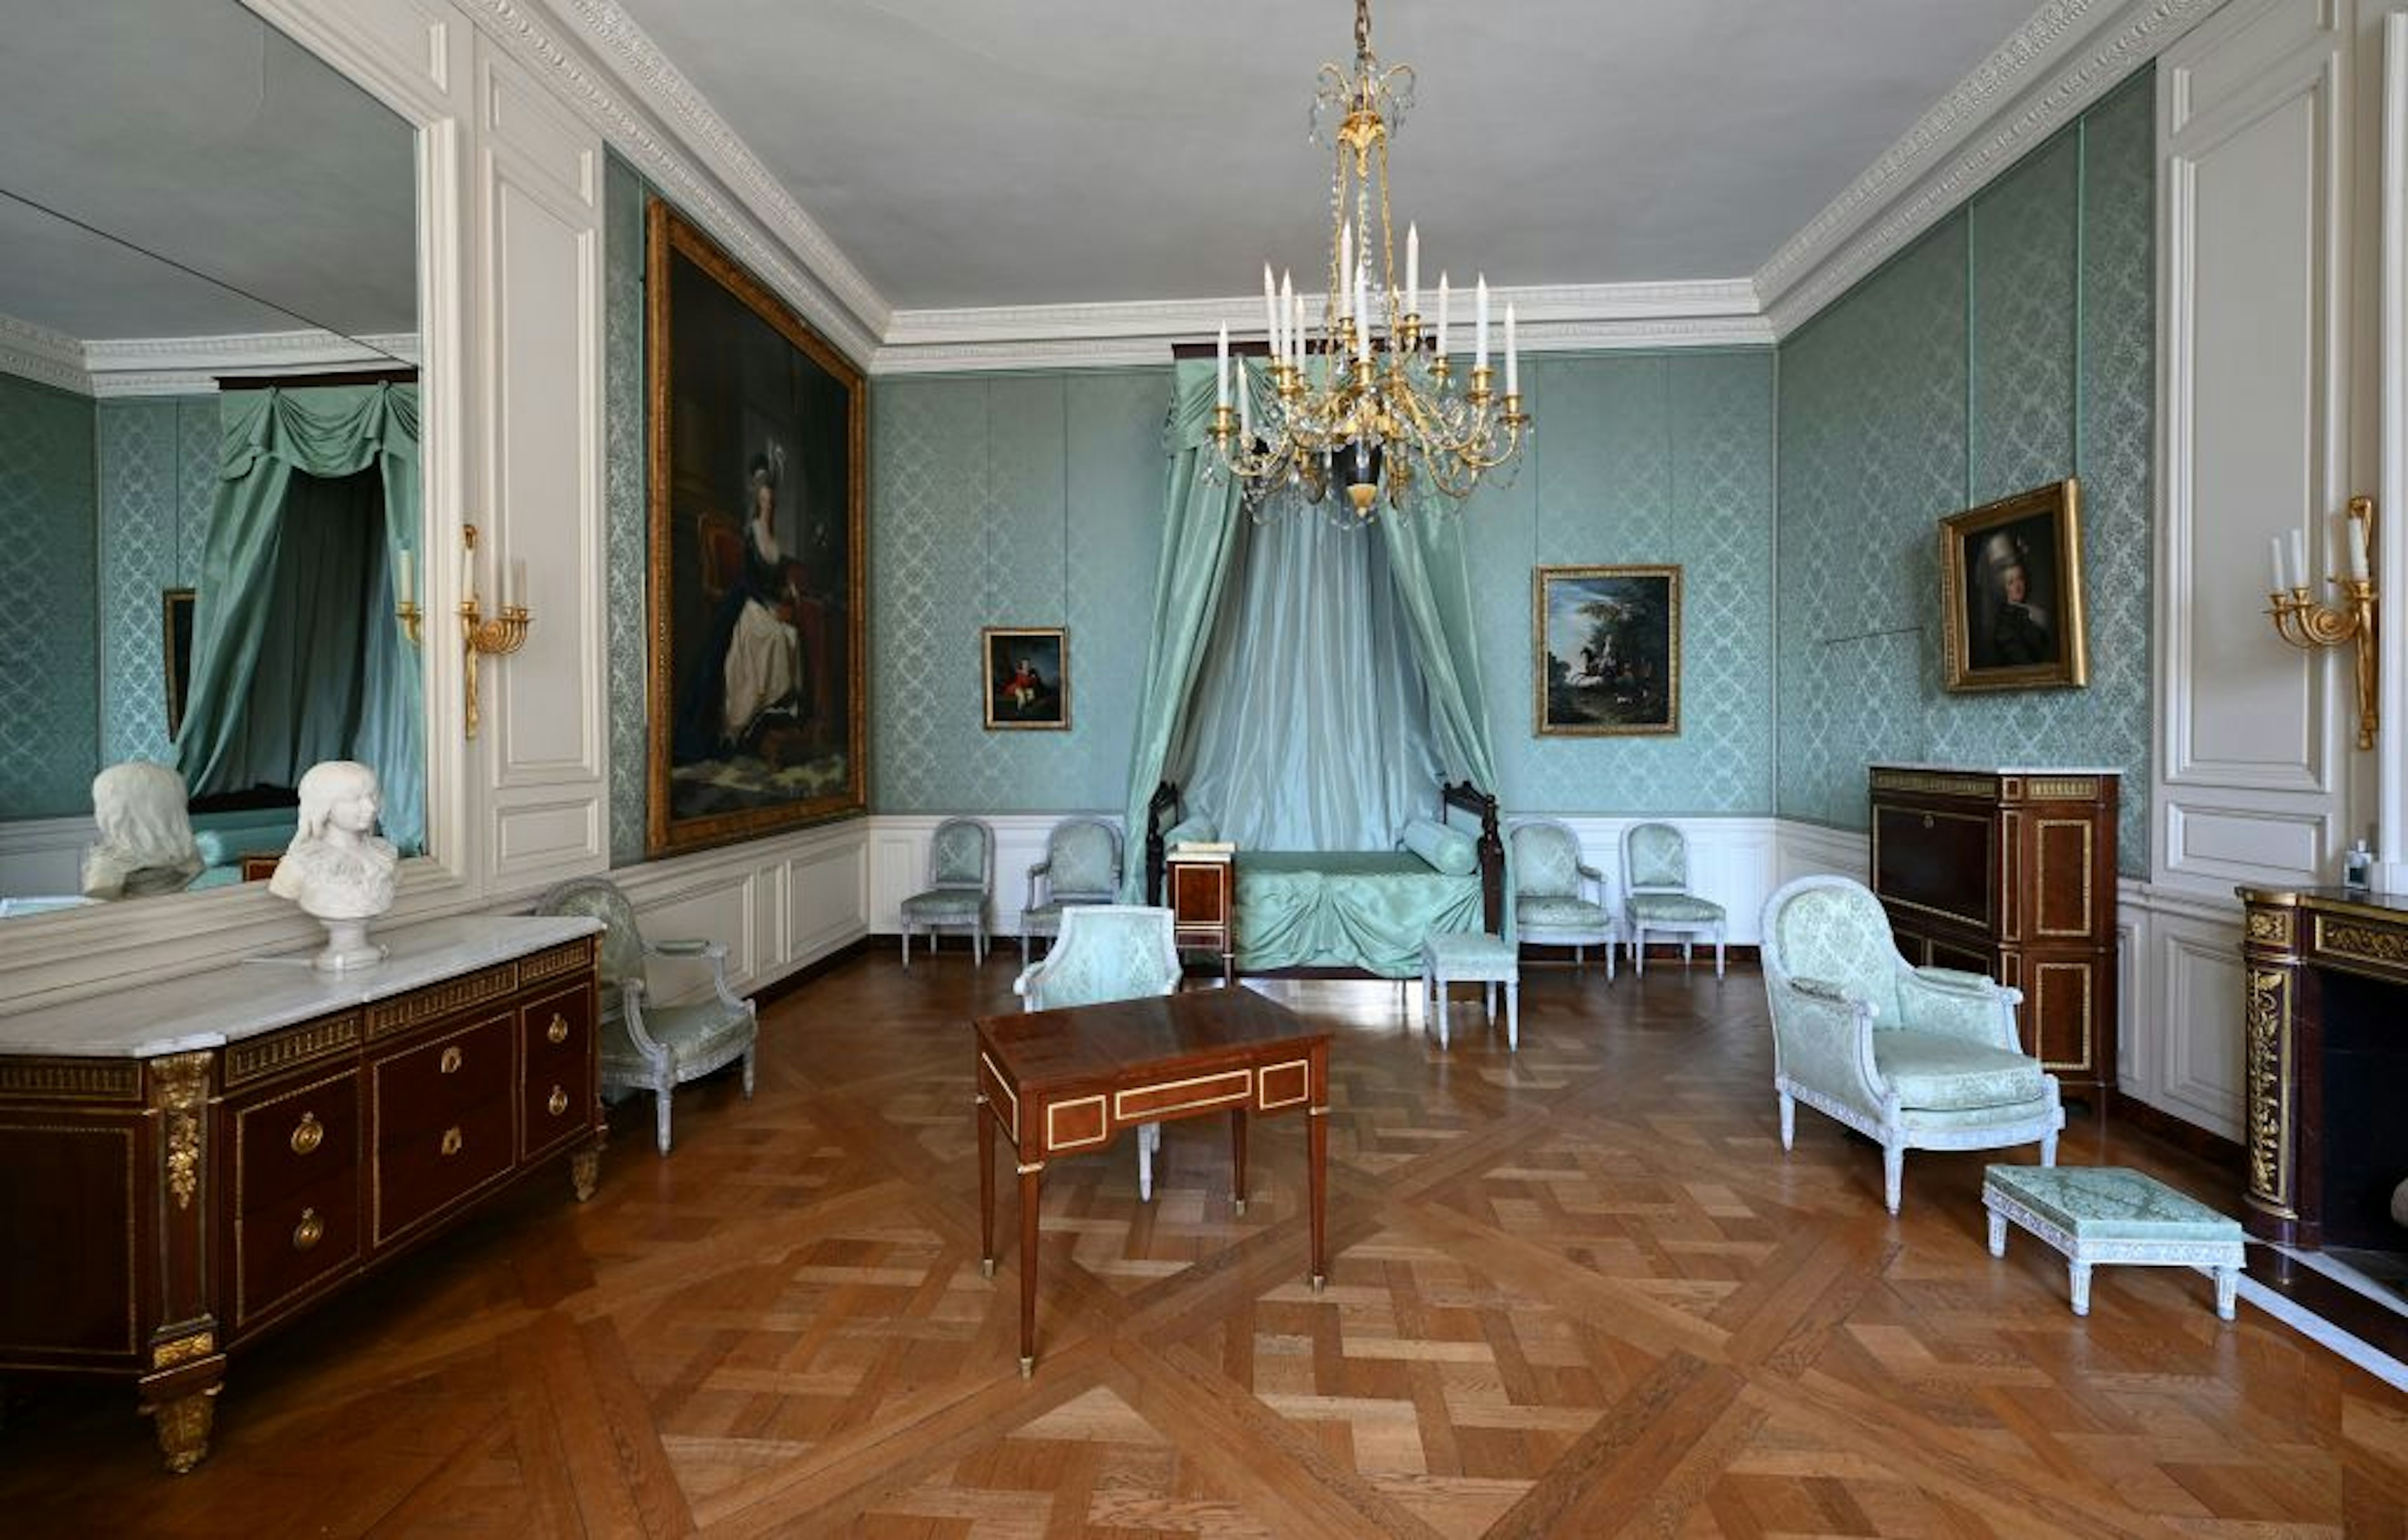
{"x":337,"y":869}
{"x":146,"y":837}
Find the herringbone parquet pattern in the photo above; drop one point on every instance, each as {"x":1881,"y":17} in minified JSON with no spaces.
{"x":1575,"y":1291}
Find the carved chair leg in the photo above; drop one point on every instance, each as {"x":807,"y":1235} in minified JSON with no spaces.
{"x":2049,"y":1148}
{"x":748,"y":1073}
{"x":661,"y":1118}
{"x":1789,"y":1121}
{"x":1893,"y":1173}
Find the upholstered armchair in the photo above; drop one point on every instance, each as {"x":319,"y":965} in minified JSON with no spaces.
{"x":1082,"y":866}
{"x":1558,"y":897}
{"x":1912,"y":1057}
{"x":1656,"y":894}
{"x":650,"y":1046}
{"x":1107,"y":952}
{"x":961,"y":887}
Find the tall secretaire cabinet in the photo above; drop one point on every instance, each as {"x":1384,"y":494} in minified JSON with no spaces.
{"x":2011,"y":871}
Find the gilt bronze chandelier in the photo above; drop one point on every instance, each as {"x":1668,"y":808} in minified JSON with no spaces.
{"x":1369,"y":402}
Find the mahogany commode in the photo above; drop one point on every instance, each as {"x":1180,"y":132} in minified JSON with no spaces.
{"x":185,"y":1165}
{"x":1067,"y":1081}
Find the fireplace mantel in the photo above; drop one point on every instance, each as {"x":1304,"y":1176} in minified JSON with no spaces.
{"x":2325,"y":990}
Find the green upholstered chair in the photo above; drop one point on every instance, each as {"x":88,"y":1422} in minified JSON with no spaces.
{"x":1082,"y":866}
{"x":961,"y":887}
{"x":645,"y":1045}
{"x":1107,"y":952}
{"x":1656,"y":894}
{"x":1912,"y":1057}
{"x":1558,"y":897}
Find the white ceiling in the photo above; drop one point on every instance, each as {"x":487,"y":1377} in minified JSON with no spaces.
{"x":968,"y":153}
{"x":213,"y":177}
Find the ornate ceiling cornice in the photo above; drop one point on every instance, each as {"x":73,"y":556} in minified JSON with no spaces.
{"x":686,"y":149}
{"x":2065,"y":58}
{"x":43,"y":356}
{"x":2067,"y":55}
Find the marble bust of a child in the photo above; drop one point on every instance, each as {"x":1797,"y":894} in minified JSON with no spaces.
{"x":337,"y":869}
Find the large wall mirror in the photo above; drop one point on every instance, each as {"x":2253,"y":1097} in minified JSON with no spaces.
{"x":211,"y":493}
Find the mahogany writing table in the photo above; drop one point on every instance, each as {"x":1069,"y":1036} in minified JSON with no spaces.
{"x":1059,"y":1082}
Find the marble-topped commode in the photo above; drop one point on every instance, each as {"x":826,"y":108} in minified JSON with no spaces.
{"x":211,"y":1009}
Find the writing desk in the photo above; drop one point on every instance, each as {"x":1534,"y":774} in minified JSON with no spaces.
{"x":1060,"y":1082}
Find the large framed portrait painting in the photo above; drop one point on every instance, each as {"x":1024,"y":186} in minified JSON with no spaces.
{"x":1607,"y":645}
{"x":2011,"y":592}
{"x":756,"y":466}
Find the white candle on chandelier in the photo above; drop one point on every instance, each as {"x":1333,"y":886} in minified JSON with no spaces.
{"x":1345,"y":266}
{"x":2299,"y":558}
{"x":1480,"y":325}
{"x":1442,"y":307}
{"x":1363,"y":316}
{"x":1270,"y":312}
{"x":1294,"y":331}
{"x":1245,"y":410}
{"x":1512,"y":371}
{"x":1412,"y":269}
{"x":1220,"y":370}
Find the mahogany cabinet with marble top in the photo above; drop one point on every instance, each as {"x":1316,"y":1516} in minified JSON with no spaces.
{"x":185,"y":1165}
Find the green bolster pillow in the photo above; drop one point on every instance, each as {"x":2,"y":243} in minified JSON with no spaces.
{"x":1447,"y":849}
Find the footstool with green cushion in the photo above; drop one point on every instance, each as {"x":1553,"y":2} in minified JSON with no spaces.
{"x":2107,"y":1214}
{"x":1471,"y":958}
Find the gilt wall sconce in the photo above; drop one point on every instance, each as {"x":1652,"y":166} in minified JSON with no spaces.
{"x":495,"y":637}
{"x":2305,"y":623}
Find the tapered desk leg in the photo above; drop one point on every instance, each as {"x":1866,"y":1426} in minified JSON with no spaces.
{"x":1238,"y":1156}
{"x":982,"y":1120}
{"x":1317,"y":1120}
{"x":1029,"y":1173}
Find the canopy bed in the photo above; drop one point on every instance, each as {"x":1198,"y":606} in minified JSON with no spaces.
{"x":1312,"y":674}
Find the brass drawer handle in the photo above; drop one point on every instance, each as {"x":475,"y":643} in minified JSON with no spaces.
{"x":559,"y":1103}
{"x":558,"y":1031}
{"x":308,"y":1134}
{"x":450,"y":1063}
{"x":451,"y":1140}
{"x":1927,"y":821}
{"x":309,"y":1232}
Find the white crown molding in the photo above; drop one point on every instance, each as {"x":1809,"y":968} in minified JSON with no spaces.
{"x":685,"y":147}
{"x":2066,"y":57}
{"x":1713,"y":313}
{"x":132,"y":366}
{"x":43,"y":356}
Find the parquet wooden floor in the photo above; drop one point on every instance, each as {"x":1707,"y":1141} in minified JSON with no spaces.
{"x":1576,"y":1292}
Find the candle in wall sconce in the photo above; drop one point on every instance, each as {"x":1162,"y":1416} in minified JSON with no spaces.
{"x":2356,"y":540}
{"x":2299,"y":558}
{"x":2274,"y":562}
{"x":518,"y":582}
{"x":405,"y":585}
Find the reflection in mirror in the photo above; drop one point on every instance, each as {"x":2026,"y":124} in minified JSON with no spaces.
{"x":208,"y":309}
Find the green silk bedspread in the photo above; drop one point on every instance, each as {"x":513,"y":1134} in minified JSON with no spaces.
{"x":1346,"y":909}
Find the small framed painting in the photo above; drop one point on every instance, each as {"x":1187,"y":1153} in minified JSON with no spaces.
{"x":1607,"y":650}
{"x":1028,"y":676}
{"x":2011,"y":593}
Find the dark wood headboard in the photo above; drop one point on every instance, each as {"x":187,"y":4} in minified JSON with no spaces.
{"x":1162,"y":814}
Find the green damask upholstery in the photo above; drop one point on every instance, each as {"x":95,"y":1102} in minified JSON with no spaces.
{"x":1107,"y":952}
{"x":1657,"y":897}
{"x":1558,"y":897}
{"x":1082,"y":866}
{"x":1912,"y":1058}
{"x":2106,"y":1214}
{"x":961,"y":859}
{"x":652,"y":1046}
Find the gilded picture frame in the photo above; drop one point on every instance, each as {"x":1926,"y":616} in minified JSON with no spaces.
{"x":1605,"y":645}
{"x":1025,"y":677}
{"x":757,"y":628}
{"x":2011,"y":593}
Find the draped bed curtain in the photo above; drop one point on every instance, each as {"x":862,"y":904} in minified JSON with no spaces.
{"x":1307,"y":684}
{"x":297,"y":655}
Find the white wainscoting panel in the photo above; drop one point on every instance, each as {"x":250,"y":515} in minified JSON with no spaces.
{"x":544,"y":705}
{"x":43,"y":858}
{"x":1812,"y":849}
{"x":2255,"y":226}
{"x":779,"y":904}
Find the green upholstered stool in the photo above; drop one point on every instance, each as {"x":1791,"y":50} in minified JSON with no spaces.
{"x":2106,"y":1214}
{"x":1471,"y":958}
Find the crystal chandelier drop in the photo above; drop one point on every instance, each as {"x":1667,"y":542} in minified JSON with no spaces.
{"x":1369,"y":403}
